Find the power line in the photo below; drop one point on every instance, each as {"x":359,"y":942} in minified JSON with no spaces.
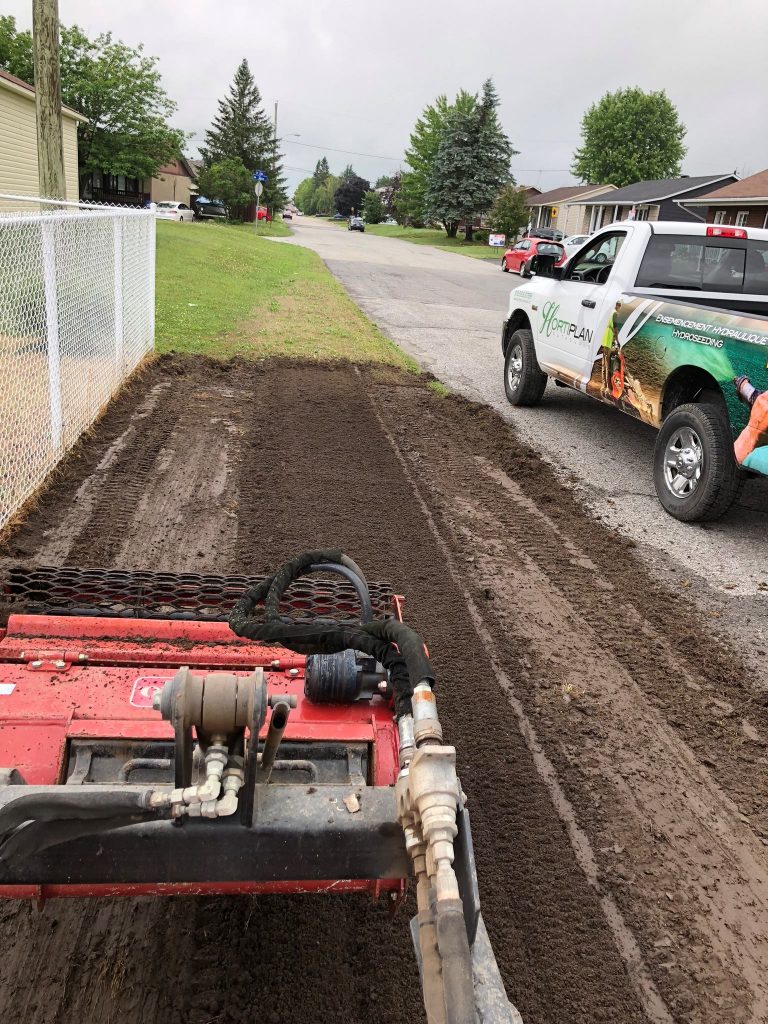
{"x":349,"y":152}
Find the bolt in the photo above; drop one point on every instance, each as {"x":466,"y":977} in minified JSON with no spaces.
{"x":82,"y":657}
{"x":36,"y":663}
{"x":293,"y":671}
{"x":59,"y":664}
{"x":383,"y":686}
{"x":156,"y":698}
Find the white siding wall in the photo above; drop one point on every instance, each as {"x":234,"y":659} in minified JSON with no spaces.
{"x":18,"y":147}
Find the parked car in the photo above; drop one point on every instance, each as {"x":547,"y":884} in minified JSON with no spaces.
{"x":667,"y":322}
{"x":356,"y":224}
{"x":519,"y":255}
{"x":209,"y":209}
{"x":551,"y":234}
{"x":573,"y":243}
{"x":174,"y":211}
{"x":287,"y":215}
{"x":338,"y":216}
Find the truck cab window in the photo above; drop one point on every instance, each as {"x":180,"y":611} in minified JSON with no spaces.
{"x":673,"y":262}
{"x":595,"y":263}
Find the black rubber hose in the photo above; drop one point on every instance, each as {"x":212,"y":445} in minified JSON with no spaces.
{"x":399,"y":648}
{"x":456,"y":959}
{"x":37,"y":836}
{"x":80,"y":806}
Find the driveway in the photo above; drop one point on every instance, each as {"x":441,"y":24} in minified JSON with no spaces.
{"x":446,"y":310}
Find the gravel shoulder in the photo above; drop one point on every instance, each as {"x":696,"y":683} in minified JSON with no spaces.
{"x":616,"y":768}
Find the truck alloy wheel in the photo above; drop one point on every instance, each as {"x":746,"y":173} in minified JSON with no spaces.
{"x":524,"y":382}
{"x":695,"y":472}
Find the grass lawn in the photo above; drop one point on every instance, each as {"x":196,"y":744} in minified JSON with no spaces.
{"x":437,"y":238}
{"x":223,"y":291}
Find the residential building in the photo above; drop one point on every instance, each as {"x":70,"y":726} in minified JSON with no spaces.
{"x":18,"y":142}
{"x":662,"y":199}
{"x":563,"y":209}
{"x":742,"y":203}
{"x":174,"y":182}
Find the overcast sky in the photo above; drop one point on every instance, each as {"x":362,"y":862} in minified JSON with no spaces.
{"x":354,"y":75}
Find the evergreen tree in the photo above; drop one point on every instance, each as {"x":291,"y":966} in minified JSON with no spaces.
{"x":471,"y":165}
{"x":242,"y":131}
{"x":348,"y":173}
{"x":322,"y":172}
{"x":425,"y":141}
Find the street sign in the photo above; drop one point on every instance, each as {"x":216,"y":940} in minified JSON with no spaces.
{"x":498,"y":240}
{"x":259,"y":176}
{"x":258,"y":188}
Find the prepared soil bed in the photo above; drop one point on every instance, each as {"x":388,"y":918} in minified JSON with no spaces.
{"x":613,"y":751}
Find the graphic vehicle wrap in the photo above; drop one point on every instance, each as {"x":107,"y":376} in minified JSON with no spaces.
{"x":647,"y":339}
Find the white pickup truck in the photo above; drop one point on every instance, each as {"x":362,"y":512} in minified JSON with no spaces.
{"x":668,"y":322}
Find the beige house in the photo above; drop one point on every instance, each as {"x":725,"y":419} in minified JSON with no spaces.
{"x":562,"y":209}
{"x":18,"y":143}
{"x":174,"y":182}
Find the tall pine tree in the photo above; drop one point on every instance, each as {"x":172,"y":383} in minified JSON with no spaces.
{"x":242,"y":131}
{"x":471,"y":165}
{"x":322,"y":172}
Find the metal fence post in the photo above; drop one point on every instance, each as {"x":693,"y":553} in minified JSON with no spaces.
{"x":119,"y":329}
{"x":48,"y":231}
{"x":151,"y":263}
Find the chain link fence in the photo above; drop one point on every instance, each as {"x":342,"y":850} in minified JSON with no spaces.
{"x":77,"y":297}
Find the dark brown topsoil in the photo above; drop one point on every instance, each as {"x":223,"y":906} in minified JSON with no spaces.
{"x":236,"y":467}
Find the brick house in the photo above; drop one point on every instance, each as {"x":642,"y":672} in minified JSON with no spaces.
{"x":742,"y":203}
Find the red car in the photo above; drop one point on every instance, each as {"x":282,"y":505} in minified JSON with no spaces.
{"x":515,"y":258}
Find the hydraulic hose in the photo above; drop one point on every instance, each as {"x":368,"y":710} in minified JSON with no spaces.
{"x":396,"y":646}
{"x":33,"y":822}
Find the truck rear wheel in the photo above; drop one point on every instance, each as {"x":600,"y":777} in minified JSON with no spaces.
{"x":694,"y":469}
{"x":524,"y":382}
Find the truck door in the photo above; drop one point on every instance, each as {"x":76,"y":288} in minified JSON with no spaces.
{"x":573,"y":323}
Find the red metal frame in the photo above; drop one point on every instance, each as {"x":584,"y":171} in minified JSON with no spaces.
{"x":92,"y":678}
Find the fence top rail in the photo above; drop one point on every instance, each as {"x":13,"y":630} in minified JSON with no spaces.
{"x":72,"y":212}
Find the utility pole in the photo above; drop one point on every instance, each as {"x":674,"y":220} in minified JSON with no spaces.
{"x":50,"y":148}
{"x":274,"y":151}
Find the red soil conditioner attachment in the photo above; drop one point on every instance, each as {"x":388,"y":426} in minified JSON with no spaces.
{"x":165,"y":734}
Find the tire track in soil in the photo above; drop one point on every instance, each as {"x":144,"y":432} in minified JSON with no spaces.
{"x":309,"y":465}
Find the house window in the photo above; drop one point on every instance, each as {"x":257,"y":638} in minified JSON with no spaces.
{"x":741,"y":218}
{"x":641,"y":213}
{"x":719,"y":217}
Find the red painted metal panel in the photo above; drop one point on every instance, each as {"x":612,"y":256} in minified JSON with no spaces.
{"x":43,"y":892}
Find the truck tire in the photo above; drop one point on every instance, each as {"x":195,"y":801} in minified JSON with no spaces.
{"x":524,"y":382}
{"x":694,"y":469}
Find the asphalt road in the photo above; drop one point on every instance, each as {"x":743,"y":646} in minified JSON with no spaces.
{"x":446,"y":311}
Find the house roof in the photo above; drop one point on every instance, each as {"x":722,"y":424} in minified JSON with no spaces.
{"x":560,"y":195}
{"x":15,"y":84}
{"x":754,"y":188}
{"x":657,"y":190}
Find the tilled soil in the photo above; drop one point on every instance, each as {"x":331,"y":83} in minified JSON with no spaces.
{"x":611,"y":747}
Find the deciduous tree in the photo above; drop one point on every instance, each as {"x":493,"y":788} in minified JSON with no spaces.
{"x":373,"y":208}
{"x":349,"y":195}
{"x":117,"y":88}
{"x":630,"y":135}
{"x":509,"y":213}
{"x":229,"y":180}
